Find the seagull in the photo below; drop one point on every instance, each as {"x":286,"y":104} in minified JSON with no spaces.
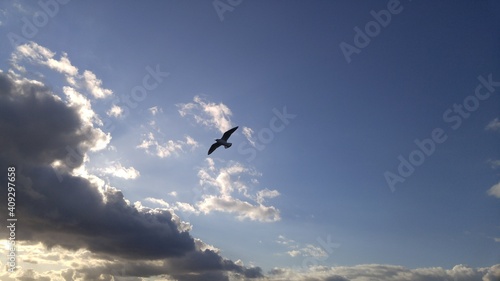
{"x":222,"y":141}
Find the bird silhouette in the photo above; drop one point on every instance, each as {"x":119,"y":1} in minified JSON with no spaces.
{"x":222,"y":141}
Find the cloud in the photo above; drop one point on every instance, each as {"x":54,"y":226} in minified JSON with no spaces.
{"x":495,"y":190}
{"x":157,"y":201}
{"x":293,"y":253}
{"x":313,"y":251}
{"x":117,"y":170}
{"x":494,"y":125}
{"x":93,"y":84}
{"x":155,"y":110}
{"x":202,"y":264}
{"x":243,"y":210}
{"x":185,"y":207}
{"x":266,"y":193}
{"x":169,"y":148}
{"x":297,"y":250}
{"x":82,"y":106}
{"x":494,"y":163}
{"x":285,"y":241}
{"x":162,"y":148}
{"x":85,"y":265}
{"x":115,"y":111}
{"x":76,"y":211}
{"x":377,"y":272}
{"x":248,"y":133}
{"x":222,"y":185}
{"x":39,"y":55}
{"x":70,"y":211}
{"x":53,"y":130}
{"x":209,"y":114}
{"x":191,"y":142}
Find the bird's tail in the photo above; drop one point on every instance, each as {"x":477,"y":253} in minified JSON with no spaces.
{"x":228,"y":145}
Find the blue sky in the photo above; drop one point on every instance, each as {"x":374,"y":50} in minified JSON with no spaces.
{"x":319,"y":128}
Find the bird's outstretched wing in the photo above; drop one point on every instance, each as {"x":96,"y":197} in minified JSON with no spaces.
{"x":213,"y":147}
{"x":228,"y":133}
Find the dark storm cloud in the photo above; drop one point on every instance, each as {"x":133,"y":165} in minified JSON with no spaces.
{"x":35,"y":126}
{"x":72,"y":212}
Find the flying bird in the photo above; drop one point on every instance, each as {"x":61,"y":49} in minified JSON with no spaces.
{"x":222,"y":141}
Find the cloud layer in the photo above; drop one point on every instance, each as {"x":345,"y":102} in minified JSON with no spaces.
{"x":380,"y":272}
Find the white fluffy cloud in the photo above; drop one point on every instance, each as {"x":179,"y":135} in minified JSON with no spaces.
{"x":82,"y":105}
{"x":210,"y":114}
{"x":115,"y":111}
{"x":39,"y":55}
{"x":157,"y":201}
{"x":223,"y":186}
{"x":242,"y":209}
{"x":117,"y":170}
{"x":94,"y":85}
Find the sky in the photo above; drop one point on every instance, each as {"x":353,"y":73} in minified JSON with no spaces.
{"x":366,"y":149}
